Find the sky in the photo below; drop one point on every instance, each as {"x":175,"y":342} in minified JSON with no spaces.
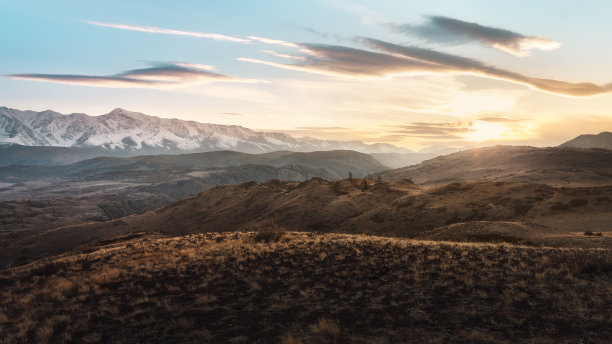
{"x":414,"y":74}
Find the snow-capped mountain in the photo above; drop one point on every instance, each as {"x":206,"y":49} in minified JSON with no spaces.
{"x":122,"y":130}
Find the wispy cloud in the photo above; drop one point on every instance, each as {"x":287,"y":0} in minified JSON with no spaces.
{"x":232,"y":114}
{"x":273,"y":41}
{"x":432,"y":130}
{"x":500,"y":120}
{"x":196,"y":34}
{"x":323,"y":128}
{"x":450,"y":30}
{"x":159,"y":30}
{"x":161,"y":75}
{"x":285,"y":56}
{"x":392,"y":60}
{"x":345,"y":61}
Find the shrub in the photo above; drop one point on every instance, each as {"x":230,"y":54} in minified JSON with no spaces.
{"x":269,"y":233}
{"x":337,"y":187}
{"x":588,"y":233}
{"x":578,"y":202}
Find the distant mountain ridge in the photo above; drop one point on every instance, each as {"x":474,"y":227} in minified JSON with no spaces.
{"x":135,"y":133}
{"x":602,"y":140}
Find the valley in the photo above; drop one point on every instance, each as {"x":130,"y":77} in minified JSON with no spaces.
{"x":281,"y":246}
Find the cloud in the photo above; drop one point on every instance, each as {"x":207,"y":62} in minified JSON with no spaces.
{"x":214,"y":36}
{"x":500,"y":120}
{"x":232,"y":114}
{"x":161,"y":75}
{"x":273,"y":41}
{"x":392,"y":60}
{"x":159,"y":30}
{"x":323,"y":128}
{"x":449,"y":30}
{"x":432,"y":130}
{"x":345,"y":61}
{"x":285,"y":56}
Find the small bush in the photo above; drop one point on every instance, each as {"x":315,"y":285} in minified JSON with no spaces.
{"x":269,"y":233}
{"x":578,"y":202}
{"x":559,"y":206}
{"x":337,"y":187}
{"x":588,"y":233}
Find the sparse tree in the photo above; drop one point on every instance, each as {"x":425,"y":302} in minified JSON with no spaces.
{"x":350,"y":176}
{"x":365,"y":184}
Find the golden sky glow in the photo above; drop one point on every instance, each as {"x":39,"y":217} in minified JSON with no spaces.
{"x":411,"y":74}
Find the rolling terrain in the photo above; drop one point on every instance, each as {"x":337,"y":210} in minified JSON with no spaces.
{"x":397,"y":208}
{"x":552,"y":166}
{"x":107,"y":188}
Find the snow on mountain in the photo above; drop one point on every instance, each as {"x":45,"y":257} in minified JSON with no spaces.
{"x":122,"y":130}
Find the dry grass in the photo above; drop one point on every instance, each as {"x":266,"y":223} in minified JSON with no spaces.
{"x":310,"y":288}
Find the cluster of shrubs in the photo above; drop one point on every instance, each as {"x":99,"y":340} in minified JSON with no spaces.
{"x":588,"y":233}
{"x":269,"y":233}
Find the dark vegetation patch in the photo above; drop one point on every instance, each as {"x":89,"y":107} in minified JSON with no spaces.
{"x":578,"y":202}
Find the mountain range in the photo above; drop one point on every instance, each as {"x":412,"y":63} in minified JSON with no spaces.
{"x":123,"y":132}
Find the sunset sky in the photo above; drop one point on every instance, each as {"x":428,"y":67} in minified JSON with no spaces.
{"x":411,"y":73}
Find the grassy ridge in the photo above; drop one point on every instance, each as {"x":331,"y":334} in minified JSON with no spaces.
{"x":309,"y":288}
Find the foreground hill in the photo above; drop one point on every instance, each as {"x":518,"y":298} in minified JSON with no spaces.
{"x":308,"y":288}
{"x":553,"y":166}
{"x":398,"y":208}
{"x":602,"y":140}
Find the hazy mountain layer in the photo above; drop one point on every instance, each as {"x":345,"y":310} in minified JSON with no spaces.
{"x":602,"y":140}
{"x":107,"y":188}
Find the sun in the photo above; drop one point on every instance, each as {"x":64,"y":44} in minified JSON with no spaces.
{"x":485,"y":131}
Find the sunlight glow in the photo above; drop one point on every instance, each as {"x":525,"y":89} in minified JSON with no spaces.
{"x":484,"y":131}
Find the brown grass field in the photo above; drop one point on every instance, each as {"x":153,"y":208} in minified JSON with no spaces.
{"x":294,"y":287}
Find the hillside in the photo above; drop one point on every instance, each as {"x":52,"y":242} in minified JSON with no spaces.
{"x":602,"y":141}
{"x":107,"y":188}
{"x":553,"y":166}
{"x":396,"y":208}
{"x":308,"y":288}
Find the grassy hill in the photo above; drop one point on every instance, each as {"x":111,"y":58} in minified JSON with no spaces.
{"x":395,"y":208}
{"x":308,"y":288}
